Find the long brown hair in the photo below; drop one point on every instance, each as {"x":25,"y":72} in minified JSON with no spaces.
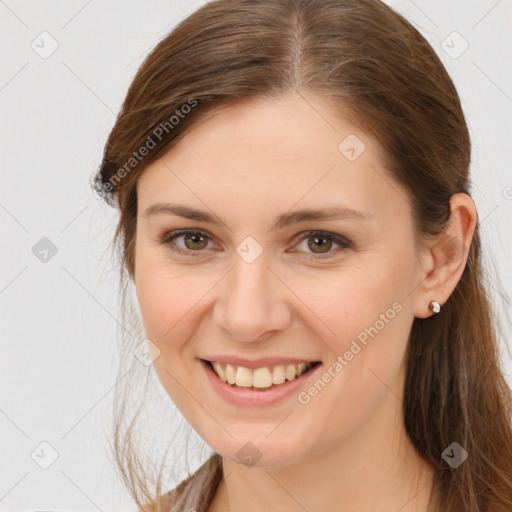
{"x":379,"y":68}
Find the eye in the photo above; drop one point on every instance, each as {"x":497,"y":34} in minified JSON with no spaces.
{"x":195,"y":241}
{"x":320,"y":242}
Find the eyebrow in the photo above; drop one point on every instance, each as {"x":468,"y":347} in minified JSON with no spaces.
{"x":281,"y":221}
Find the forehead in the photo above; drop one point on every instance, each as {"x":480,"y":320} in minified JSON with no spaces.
{"x":281,"y":151}
{"x":293,"y":125}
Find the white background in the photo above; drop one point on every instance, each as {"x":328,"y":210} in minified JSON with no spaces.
{"x":58,"y":318}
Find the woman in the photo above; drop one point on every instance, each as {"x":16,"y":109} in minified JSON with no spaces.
{"x":295,"y":217}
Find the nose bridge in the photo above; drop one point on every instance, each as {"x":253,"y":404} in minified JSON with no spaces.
{"x":252,"y":303}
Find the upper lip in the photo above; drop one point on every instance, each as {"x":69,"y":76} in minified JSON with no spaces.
{"x":257,"y":363}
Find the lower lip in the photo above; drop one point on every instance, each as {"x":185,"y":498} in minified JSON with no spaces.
{"x":252,"y":396}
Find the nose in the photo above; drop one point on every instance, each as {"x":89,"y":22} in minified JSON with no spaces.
{"x":252,"y":303}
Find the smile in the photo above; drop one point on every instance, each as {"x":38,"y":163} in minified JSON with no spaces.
{"x":264,"y":377}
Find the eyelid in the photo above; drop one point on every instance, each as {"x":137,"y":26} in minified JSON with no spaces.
{"x":341,"y":241}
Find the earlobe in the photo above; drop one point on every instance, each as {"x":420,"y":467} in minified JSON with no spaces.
{"x":448,"y":255}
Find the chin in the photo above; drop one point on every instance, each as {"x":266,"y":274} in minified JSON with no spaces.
{"x":253,"y":446}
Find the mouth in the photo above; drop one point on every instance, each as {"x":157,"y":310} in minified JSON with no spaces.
{"x":263,"y":378}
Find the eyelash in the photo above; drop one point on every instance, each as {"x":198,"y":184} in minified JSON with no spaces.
{"x":168,"y":238}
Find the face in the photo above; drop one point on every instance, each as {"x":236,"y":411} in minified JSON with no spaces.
{"x":252,"y":284}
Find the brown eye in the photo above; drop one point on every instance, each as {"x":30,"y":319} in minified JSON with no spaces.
{"x":195,"y":241}
{"x":322,"y":243}
{"x":192,"y":242}
{"x":319,"y":244}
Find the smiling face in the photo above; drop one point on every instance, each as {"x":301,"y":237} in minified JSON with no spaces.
{"x":258,"y":287}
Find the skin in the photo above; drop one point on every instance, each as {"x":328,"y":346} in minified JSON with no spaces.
{"x":347,"y":448}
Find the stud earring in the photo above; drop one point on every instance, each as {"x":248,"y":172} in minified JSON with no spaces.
{"x":434,"y":306}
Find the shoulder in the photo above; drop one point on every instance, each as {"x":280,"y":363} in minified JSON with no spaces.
{"x":197,"y":491}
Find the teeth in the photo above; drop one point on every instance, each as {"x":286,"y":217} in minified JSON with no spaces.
{"x":278,"y":375}
{"x":230,"y":374}
{"x":243,"y":377}
{"x":290,"y":371}
{"x":260,"y":377}
{"x":220,"y":371}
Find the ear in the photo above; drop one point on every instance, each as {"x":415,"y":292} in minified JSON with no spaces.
{"x":445,"y":259}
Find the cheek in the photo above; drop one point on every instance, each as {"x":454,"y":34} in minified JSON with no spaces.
{"x":162,"y":302}
{"x":371,"y":324}
{"x":170,"y":300}
{"x":346,"y":304}
{"x":369,"y":310}
{"x":168,"y":303}
{"x":163,"y":296}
